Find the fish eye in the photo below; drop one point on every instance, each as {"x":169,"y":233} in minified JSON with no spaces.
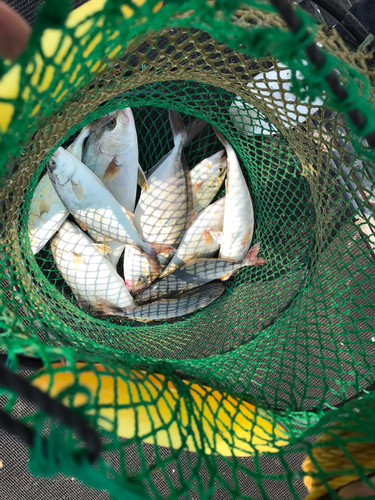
{"x":141,"y":280}
{"x":112,"y":123}
{"x":52,"y":165}
{"x":221,"y":169}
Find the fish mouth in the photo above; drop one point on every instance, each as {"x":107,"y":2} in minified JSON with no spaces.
{"x":51,"y":175}
{"x":125,"y":115}
{"x":221,"y":177}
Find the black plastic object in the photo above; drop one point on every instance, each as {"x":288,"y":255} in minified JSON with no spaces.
{"x":51,"y":407}
{"x":347,"y":19}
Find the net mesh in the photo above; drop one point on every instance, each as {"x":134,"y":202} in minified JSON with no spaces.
{"x":287,"y":343}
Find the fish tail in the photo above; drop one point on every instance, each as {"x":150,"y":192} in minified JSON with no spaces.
{"x":251,"y":258}
{"x":153,"y":261}
{"x":114,"y":311}
{"x":108,"y":308}
{"x":186,"y":132}
{"x":152,"y":252}
{"x":221,"y":138}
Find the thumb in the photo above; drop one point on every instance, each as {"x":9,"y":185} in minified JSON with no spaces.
{"x":14,"y":32}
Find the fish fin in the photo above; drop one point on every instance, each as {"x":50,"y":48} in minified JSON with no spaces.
{"x":102,"y":248}
{"x":141,"y":178}
{"x":170,"y":269}
{"x":82,"y":225}
{"x":161,"y":248}
{"x":251,"y":258}
{"x":188,"y":132}
{"x":77,"y":260}
{"x":78,"y":189}
{"x":107,"y":307}
{"x":197,"y":187}
{"x":193,"y":129}
{"x":43,"y":207}
{"x":226,"y":277}
{"x":111,"y":171}
{"x":207,"y":236}
{"x":221,"y":138}
{"x":151,"y":256}
{"x":177,"y":125}
{"x":81,"y":302}
{"x":153,"y":261}
{"x":218,"y":236}
{"x":128,"y":213}
{"x":77,"y":146}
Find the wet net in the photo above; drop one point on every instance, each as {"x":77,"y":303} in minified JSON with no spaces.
{"x":217,"y":404}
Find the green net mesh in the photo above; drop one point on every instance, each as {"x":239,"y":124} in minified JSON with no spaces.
{"x":292,"y":340}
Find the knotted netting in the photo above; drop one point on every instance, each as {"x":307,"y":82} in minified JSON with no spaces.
{"x":217,"y":404}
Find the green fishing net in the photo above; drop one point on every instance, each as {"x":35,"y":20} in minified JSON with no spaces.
{"x":295,"y":338}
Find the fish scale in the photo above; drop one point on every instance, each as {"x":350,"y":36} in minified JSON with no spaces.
{"x":196,"y":273}
{"x":89,"y":274}
{"x":89,"y":201}
{"x":239,"y":214}
{"x":166,"y":209}
{"x":180,"y":306}
{"x":111,"y":152}
{"x":207,"y":178}
{"x":197,"y":241}
{"x":47,"y":212}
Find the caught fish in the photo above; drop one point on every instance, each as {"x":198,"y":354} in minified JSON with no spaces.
{"x":238,"y":226}
{"x":198,"y":241}
{"x":91,"y":277}
{"x":197,"y":272}
{"x":47,"y":212}
{"x":184,"y":304}
{"x":207,"y":178}
{"x":164,"y":212}
{"x":89,"y":201}
{"x":137,"y":270}
{"x":111,"y":152}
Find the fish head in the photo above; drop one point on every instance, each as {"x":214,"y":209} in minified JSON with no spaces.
{"x":217,"y":164}
{"x":61,"y":167}
{"x":137,"y":284}
{"x":214,"y":168}
{"x":113,"y":132}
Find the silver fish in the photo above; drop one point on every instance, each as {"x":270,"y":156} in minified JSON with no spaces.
{"x":197,"y":272}
{"x":137,"y":270}
{"x":197,"y":241}
{"x":111,"y":152}
{"x":185,"y":303}
{"x":47,"y":212}
{"x":89,"y":201}
{"x":238,"y":226}
{"x":207,"y":178}
{"x":166,"y":209}
{"x":91,"y":277}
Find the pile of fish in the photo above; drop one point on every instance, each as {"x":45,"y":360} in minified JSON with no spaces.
{"x":170,"y":238}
